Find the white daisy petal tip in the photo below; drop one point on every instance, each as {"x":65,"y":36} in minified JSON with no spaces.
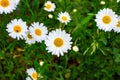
{"x":106,"y":19}
{"x":118,"y":1}
{"x":58,"y":42}
{"x":64,"y":17}
{"x":28,"y":78}
{"x":17,"y":29}
{"x":49,"y":6}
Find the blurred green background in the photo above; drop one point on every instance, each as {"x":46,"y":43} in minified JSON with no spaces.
{"x":99,"y":52}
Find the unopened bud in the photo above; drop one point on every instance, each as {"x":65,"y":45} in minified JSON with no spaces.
{"x":75,"y":48}
{"x":50,"y":16}
{"x":102,"y":2}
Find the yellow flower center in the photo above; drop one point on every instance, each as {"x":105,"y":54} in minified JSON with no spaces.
{"x":64,"y":18}
{"x":106,"y":19}
{"x":58,"y":42}
{"x":4,"y":3}
{"x":17,"y":28}
{"x":48,"y":6}
{"x":38,"y":32}
{"x":34,"y":75}
{"x":118,"y":24}
{"x":29,"y":36}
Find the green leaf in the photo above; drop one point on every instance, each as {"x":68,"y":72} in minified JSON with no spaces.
{"x":84,"y":21}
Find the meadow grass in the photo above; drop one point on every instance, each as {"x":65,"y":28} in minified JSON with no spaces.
{"x":98,"y":57}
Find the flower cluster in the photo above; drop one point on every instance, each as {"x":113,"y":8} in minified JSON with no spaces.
{"x":57,"y":41}
{"x":63,"y":17}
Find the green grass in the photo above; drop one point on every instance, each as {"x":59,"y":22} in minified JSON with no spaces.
{"x":99,"y":52}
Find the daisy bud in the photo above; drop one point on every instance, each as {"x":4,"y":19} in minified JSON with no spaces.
{"x":75,"y":48}
{"x":50,"y":16}
{"x":74,"y":10}
{"x":41,"y":63}
{"x":102,"y":2}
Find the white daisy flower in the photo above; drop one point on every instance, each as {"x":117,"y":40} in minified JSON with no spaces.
{"x":117,"y":27}
{"x":64,"y":17}
{"x":49,"y":6}
{"x":29,"y":39}
{"x":38,"y":31}
{"x":118,"y":0}
{"x":28,"y":78}
{"x":106,"y":19}
{"x":17,"y":28}
{"x":7,"y":6}
{"x":58,"y":42}
{"x":32,"y":73}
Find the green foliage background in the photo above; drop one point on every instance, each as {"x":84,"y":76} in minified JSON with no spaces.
{"x":99,"y":52}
